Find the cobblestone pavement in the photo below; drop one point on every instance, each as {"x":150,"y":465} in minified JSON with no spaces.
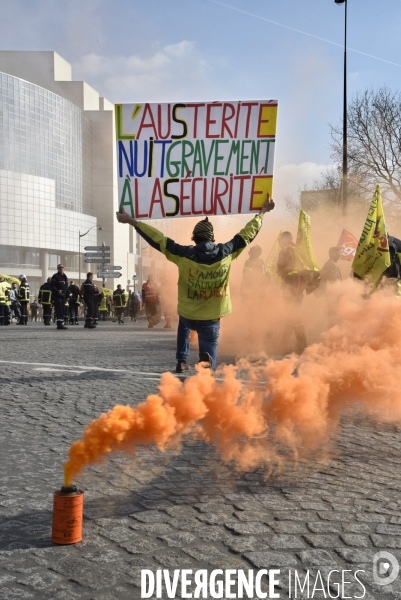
{"x":183,"y":510}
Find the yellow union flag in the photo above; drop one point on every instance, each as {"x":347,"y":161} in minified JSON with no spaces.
{"x":372,"y":257}
{"x":303,"y":244}
{"x":9,"y":279}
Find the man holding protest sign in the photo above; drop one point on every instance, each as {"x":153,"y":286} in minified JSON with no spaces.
{"x":203,"y":284}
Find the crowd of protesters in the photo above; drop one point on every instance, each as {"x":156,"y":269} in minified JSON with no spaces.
{"x":203,"y":289}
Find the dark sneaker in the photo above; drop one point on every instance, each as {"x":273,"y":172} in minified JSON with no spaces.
{"x":90,"y":326}
{"x":204,"y":357}
{"x":182,"y":366}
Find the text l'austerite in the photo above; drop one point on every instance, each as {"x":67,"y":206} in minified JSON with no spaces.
{"x":192,"y":159}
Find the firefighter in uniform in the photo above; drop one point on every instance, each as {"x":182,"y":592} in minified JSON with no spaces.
{"x":295,"y":280}
{"x":73,"y":302}
{"x":97,"y":298}
{"x":23,"y":298}
{"x":59,"y":288}
{"x":119,"y":302}
{"x":89,"y":290}
{"x":3,"y":304}
{"x":45,"y":299}
{"x":150,"y":296}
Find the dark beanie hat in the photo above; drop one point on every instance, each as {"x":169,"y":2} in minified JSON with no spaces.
{"x":204,"y":229}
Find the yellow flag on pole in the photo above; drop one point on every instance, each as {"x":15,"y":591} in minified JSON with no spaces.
{"x":4,"y":285}
{"x":303,"y":245}
{"x":372,"y":257}
{"x":9,"y":279}
{"x":106,"y":291}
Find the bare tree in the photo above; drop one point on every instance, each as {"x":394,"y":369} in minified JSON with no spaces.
{"x":324,"y":194}
{"x":292,"y":207}
{"x":374,"y":140}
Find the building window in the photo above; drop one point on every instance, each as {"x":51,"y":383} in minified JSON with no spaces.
{"x":54,"y":260}
{"x":15,"y":257}
{"x":4,"y":256}
{"x":71,"y":262}
{"x":41,"y":138}
{"x":32,"y":259}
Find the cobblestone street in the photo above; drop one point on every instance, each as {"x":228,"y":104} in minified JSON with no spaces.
{"x":177,"y":510}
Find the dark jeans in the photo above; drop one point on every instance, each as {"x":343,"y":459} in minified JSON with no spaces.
{"x":134,"y":309}
{"x":15,"y":309}
{"x":208,"y":337}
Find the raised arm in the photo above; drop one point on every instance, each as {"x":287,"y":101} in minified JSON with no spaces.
{"x":249,"y":232}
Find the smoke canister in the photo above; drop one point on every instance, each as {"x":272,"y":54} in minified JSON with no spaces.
{"x":68,"y":509}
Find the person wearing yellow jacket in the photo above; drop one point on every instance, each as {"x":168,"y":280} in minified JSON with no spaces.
{"x":23,"y":297}
{"x":120,"y":302}
{"x":103,"y":307}
{"x":296,"y":279}
{"x":203,"y":283}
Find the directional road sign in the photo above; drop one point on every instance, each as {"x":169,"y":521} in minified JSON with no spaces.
{"x":99,"y":260}
{"x":98,"y":254}
{"x":109,"y":275}
{"x":97,"y":247}
{"x":111,"y":267}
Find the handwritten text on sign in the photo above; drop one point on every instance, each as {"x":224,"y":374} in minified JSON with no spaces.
{"x":183,"y":160}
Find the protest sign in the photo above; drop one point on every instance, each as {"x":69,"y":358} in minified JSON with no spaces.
{"x":191,"y":159}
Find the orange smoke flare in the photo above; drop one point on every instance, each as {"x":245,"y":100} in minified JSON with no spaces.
{"x":356,"y":361}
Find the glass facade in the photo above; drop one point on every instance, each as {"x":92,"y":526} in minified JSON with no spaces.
{"x":43,"y":134}
{"x":18,"y":257}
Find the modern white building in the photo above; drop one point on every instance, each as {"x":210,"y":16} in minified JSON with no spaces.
{"x":58,"y":173}
{"x":58,"y":184}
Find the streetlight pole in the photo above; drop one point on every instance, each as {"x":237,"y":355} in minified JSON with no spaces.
{"x":345,"y":149}
{"x":81,"y":235}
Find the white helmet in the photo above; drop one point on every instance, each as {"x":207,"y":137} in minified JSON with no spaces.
{"x":22,"y":277}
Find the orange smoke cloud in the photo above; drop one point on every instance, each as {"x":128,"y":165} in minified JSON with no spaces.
{"x":294,"y":403}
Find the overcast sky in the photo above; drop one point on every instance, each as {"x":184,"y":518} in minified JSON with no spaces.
{"x":157,"y":50}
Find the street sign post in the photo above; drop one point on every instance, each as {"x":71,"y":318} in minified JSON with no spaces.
{"x":100,"y":257}
{"x":111,"y":267}
{"x":109,"y":275}
{"x":103,"y":248}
